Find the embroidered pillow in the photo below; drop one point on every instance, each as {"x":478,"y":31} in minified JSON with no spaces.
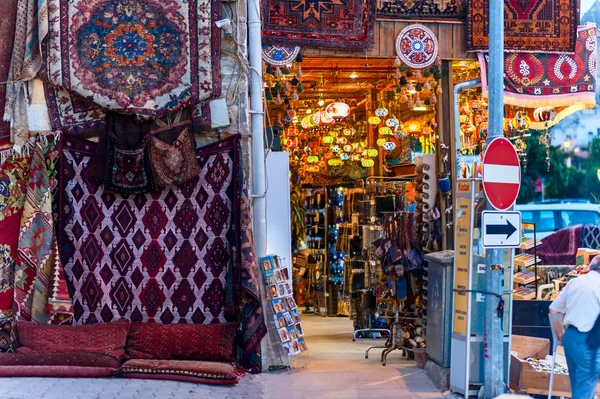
{"x":102,"y":338}
{"x":176,"y":163}
{"x":208,"y":342}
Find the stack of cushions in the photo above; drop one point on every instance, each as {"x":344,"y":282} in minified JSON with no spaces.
{"x":183,"y":352}
{"x":66,"y":351}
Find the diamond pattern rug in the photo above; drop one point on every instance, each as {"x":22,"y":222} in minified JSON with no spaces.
{"x":8,"y":15}
{"x":180,"y":255}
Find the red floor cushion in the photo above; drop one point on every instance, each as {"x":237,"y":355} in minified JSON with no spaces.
{"x":103,"y":338}
{"x":214,"y":373}
{"x":208,"y":342}
{"x":29,"y":363}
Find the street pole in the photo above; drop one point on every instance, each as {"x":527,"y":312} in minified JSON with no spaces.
{"x":493,"y":339}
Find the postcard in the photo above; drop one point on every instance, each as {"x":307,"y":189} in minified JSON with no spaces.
{"x":299,"y":331}
{"x":280,"y":321}
{"x":277,"y":307}
{"x":283,"y":334}
{"x":292,"y":333}
{"x":288,"y":319}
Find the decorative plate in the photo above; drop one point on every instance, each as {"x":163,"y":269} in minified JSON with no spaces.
{"x":279,"y":55}
{"x":417,"y":46}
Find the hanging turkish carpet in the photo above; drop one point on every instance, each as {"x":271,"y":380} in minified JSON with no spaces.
{"x":538,"y":80}
{"x":148,"y":57}
{"x":8,"y":15}
{"x":179,"y":255}
{"x":438,"y":10}
{"x":14,"y":172}
{"x":41,"y":292}
{"x":534,"y":26}
{"x":339,"y":24}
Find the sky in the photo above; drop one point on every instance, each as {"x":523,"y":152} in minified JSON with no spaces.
{"x":585,"y":5}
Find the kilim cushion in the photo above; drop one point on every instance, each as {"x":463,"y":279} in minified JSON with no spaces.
{"x":104,"y":338}
{"x":214,"y":373}
{"x":28,"y":357}
{"x":208,"y":342}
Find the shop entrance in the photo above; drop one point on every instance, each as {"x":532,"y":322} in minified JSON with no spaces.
{"x":369,"y":191}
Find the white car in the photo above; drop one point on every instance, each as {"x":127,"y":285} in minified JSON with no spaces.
{"x":553,"y":216}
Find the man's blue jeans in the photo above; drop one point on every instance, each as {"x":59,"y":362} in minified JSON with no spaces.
{"x":583,"y":363}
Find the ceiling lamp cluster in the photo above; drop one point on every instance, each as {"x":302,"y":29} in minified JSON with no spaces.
{"x":545,"y":114}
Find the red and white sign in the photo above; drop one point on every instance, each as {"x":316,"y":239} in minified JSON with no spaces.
{"x":501,"y":174}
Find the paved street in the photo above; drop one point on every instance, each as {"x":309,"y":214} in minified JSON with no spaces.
{"x":336,"y":368}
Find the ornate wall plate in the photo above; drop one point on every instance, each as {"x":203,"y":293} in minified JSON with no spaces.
{"x":417,"y":46}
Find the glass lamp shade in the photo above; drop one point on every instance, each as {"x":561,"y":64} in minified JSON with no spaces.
{"x":335,"y":162}
{"x":374,"y":120}
{"x":385,"y":130}
{"x":292,"y":131}
{"x":337,"y":110}
{"x":389,"y":146}
{"x":372,"y":152}
{"x":367,"y":163}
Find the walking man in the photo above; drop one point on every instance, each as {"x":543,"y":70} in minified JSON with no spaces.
{"x":579,"y":305}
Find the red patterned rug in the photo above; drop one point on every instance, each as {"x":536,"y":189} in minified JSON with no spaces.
{"x":8,"y":15}
{"x":340,"y":24}
{"x":166,"y":257}
{"x":534,"y":26}
{"x":538,"y":80}
{"x":148,"y":57}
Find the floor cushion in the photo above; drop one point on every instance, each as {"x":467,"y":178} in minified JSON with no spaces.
{"x":207,"y":342}
{"x":214,"y":373}
{"x":29,"y":363}
{"x":103,"y":338}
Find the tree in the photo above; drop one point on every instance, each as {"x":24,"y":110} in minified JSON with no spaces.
{"x":537,"y":168}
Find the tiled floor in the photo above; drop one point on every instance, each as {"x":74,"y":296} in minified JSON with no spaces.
{"x":336,"y":368}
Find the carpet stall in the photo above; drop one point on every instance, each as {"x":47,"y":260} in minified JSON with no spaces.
{"x":172,"y":270}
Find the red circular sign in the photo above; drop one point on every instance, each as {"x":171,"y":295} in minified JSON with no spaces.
{"x":501,"y":174}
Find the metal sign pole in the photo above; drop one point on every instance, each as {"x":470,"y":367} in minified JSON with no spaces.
{"x":493,"y":338}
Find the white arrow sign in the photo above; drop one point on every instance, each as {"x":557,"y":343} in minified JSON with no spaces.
{"x":501,"y":229}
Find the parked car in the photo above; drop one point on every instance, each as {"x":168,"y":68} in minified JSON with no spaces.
{"x":551,"y":217}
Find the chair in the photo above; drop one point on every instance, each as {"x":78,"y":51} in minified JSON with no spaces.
{"x":555,"y":343}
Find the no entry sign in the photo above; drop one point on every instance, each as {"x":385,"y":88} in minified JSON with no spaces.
{"x":501,"y":174}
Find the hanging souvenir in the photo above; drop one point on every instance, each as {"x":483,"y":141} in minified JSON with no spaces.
{"x":417,"y":46}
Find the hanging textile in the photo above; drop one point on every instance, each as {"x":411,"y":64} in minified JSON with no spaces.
{"x":341,"y":24}
{"x":438,"y":10}
{"x":538,"y":80}
{"x":8,"y":16}
{"x":533,"y":26}
{"x":147,"y":57}
{"x":14,"y":172}
{"x":31,"y":29}
{"x":179,"y":255}
{"x":40,"y":285}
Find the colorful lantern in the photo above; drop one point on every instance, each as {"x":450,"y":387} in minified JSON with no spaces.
{"x":327,"y":139}
{"x":367,"y":163}
{"x":338,"y":110}
{"x":312,"y":159}
{"x":344,"y":156}
{"x":335,"y":162}
{"x":348,"y":148}
{"x":374,"y":120}
{"x":392,"y":122}
{"x":413,"y":127}
{"x":348,"y":132}
{"x":381,"y":111}
{"x":372,"y":152}
{"x":335,"y":148}
{"x":381,"y":142}
{"x":292,"y":131}
{"x":326,"y":119}
{"x":389,"y":146}
{"x":385,"y":131}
